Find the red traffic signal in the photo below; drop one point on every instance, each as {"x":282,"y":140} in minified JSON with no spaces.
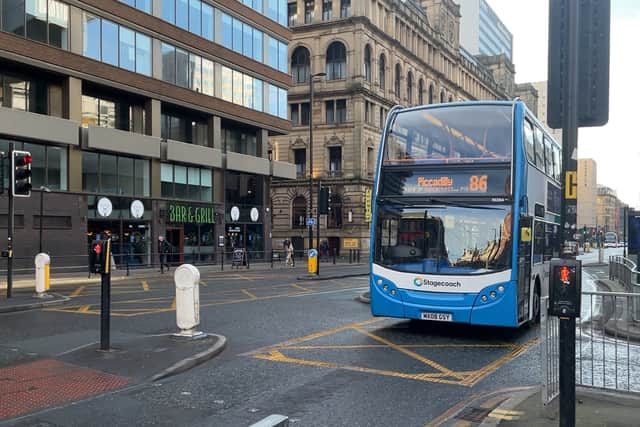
{"x":564,"y":274}
{"x":97,"y":248}
{"x":21,"y":173}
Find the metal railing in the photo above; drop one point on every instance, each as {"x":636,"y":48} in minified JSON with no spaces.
{"x":549,"y":353}
{"x":608,"y":342}
{"x":607,"y":345}
{"x":626,"y":272}
{"x":129,"y":262}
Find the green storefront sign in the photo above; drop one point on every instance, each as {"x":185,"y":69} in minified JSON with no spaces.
{"x":193,"y":214}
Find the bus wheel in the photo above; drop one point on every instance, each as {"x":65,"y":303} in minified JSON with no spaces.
{"x":536,"y":303}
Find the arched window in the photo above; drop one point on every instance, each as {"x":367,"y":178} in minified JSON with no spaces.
{"x":450,"y":98}
{"x":421,"y":92}
{"x":298,"y":212}
{"x":300,"y":62}
{"x":441,"y":96}
{"x":334,"y":219}
{"x":382,"y":64}
{"x":336,"y":61}
{"x":410,"y":88}
{"x":396,"y":88}
{"x":430,"y":94}
{"x":367,"y":63}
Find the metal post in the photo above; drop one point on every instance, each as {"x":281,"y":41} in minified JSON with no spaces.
{"x":105,"y":303}
{"x":318,"y":232}
{"x":41,"y":219}
{"x":568,"y":214}
{"x":10,"y":230}
{"x":310,"y":159}
{"x":624,"y":233}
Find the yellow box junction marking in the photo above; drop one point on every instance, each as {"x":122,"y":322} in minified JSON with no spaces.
{"x":443,"y":375}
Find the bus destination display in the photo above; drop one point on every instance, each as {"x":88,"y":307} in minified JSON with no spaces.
{"x":492,"y":183}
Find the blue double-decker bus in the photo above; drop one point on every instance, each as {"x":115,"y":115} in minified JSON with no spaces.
{"x":466,"y":208}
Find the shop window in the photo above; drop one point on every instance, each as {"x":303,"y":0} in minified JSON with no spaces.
{"x":106,"y":173}
{"x":334,"y":219}
{"x":49,"y":167}
{"x":299,"y":212}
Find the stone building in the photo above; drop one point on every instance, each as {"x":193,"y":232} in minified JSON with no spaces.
{"x":376,"y":54}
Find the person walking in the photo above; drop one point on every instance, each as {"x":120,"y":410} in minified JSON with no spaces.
{"x":292,"y":252}
{"x":164,"y":249}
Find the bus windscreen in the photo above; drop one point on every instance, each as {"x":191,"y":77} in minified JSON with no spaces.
{"x":455,"y":134}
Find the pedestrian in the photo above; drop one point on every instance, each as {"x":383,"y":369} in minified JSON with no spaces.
{"x":164,"y":249}
{"x":292,"y":252}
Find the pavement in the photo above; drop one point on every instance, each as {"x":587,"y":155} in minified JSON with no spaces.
{"x":523,"y":407}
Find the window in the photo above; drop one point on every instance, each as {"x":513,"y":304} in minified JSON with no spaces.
{"x":299,"y":114}
{"x":186,"y":182}
{"x":227,"y":31}
{"x":239,"y":140}
{"x":272,"y":52}
{"x":49,"y":166}
{"x":184,"y":128}
{"x":421,"y":92}
{"x":371,"y":163}
{"x":527,"y":135}
{"x":127,"y":49}
{"x":257,"y":45}
{"x":309,"y":6}
{"x":396,"y":88}
{"x":345,"y":8}
{"x":367,"y":112}
{"x":539,"y":148}
{"x":195,"y":17}
{"x":182,"y":14}
{"x":441,"y":96}
{"x":548,"y":156}
{"x":168,"y":63}
{"x":367,"y":63}
{"x":336,"y":61}
{"x":298,"y":212}
{"x":169,"y":11}
{"x":430,"y":94}
{"x":29,"y":93}
{"x":410,"y":88}
{"x":300,"y":160}
{"x":335,"y":161}
{"x":334,"y":219}
{"x":326,"y":10}
{"x":143,"y":54}
{"x":36,"y":13}
{"x":247,"y":40}
{"x":292,"y":14}
{"x":382,"y":71}
{"x":207,"y":22}
{"x":300,"y":62}
{"x":106,"y":173}
{"x":237,"y":35}
{"x":13,"y":15}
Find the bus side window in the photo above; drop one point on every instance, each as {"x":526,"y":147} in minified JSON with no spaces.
{"x":557,"y":165}
{"x":538,"y":242}
{"x":547,"y":156}
{"x":539,"y":148}
{"x":527,"y":135}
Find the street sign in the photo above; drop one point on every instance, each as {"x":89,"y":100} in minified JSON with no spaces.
{"x":311,"y":221}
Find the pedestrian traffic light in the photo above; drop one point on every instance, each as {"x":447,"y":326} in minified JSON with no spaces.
{"x":99,"y":253}
{"x":565,"y":288}
{"x":323,"y":201}
{"x":21,"y":173}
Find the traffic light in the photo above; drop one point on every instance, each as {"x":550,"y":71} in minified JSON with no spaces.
{"x":565,"y":289}
{"x":99,"y":253}
{"x":323,"y":201}
{"x":21,"y":173}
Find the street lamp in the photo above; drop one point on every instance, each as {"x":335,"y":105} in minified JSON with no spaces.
{"x":311,"y":77}
{"x":43,"y":190}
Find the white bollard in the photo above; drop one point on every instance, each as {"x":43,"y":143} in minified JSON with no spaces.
{"x":187,"y":280}
{"x":42,"y":262}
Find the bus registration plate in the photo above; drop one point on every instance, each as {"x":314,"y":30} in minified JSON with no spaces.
{"x":441,"y":317}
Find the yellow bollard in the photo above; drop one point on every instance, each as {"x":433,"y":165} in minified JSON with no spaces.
{"x":47,"y":281}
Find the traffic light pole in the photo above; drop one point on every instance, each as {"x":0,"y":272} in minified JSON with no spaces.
{"x":10,"y":231}
{"x":105,"y":300}
{"x":318,"y":230}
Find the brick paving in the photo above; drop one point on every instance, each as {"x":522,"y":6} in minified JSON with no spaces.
{"x":34,"y":386}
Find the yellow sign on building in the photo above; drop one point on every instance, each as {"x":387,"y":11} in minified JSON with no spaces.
{"x":367,"y":205}
{"x":351,"y":243}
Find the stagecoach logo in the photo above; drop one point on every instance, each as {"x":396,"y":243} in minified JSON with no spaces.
{"x":419,"y":282}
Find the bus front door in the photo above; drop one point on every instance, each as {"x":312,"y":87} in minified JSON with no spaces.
{"x":524,"y":267}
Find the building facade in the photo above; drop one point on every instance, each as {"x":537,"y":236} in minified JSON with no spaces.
{"x":145,"y":119}
{"x":373,"y":55}
{"x":587,"y":194}
{"x":481,"y":30}
{"x":608,"y":207}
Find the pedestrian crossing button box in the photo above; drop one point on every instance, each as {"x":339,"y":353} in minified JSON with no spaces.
{"x":565,"y":287}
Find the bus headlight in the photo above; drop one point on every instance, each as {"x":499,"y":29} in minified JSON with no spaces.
{"x":393,"y":292}
{"x":379,"y":281}
{"x":493,"y":294}
{"x":501,"y":289}
{"x":385,"y":288}
{"x":484,"y":298}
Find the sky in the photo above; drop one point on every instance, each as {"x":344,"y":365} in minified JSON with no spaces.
{"x":616,"y":146}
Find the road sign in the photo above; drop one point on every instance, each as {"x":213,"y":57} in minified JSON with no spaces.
{"x":311,"y":221}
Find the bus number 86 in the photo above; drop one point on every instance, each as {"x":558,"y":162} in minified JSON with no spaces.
{"x":478,"y":183}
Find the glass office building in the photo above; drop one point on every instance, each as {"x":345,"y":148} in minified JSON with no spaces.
{"x":138,"y":134}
